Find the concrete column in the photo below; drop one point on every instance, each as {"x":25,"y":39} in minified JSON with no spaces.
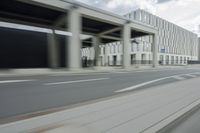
{"x":106,"y":56}
{"x":96,"y":43}
{"x":167,"y":59}
{"x":74,"y":46}
{"x":144,"y":58}
{"x":176,"y":60}
{"x":170,"y":60}
{"x":126,"y":45}
{"x":155,"y":50}
{"x":138,"y":59}
{"x":53,"y":50}
{"x":164,"y":59}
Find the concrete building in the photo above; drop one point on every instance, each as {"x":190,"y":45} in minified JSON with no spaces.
{"x":76,"y":35}
{"x":176,"y":45}
{"x":63,"y":23}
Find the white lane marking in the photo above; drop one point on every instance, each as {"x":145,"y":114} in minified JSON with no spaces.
{"x":75,"y":81}
{"x":13,"y":81}
{"x":179,"y":77}
{"x":119,"y":72}
{"x":191,"y":75}
{"x":77,"y":74}
{"x":140,"y":85}
{"x":149,"y":82}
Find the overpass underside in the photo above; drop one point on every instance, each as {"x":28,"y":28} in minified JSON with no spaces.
{"x":68,"y":27}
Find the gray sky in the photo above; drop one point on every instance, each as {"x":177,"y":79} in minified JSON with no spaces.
{"x":185,"y":13}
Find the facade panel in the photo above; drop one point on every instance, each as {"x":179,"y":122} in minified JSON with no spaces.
{"x":176,"y":45}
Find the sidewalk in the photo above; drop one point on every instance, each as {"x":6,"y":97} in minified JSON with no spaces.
{"x":46,"y":71}
{"x":148,"y":111}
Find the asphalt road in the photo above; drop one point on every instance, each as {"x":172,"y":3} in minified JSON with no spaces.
{"x":28,"y":94}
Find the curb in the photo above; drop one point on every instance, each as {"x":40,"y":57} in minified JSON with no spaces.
{"x":35,"y":72}
{"x":165,"y":125}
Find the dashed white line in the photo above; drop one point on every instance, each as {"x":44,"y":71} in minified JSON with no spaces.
{"x":13,"y":81}
{"x":75,"y":81}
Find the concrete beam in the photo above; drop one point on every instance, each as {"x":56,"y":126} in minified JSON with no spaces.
{"x":26,"y":23}
{"x":110,"y":37}
{"x":101,"y":16}
{"x":110,"y":31}
{"x":143,"y":28}
{"x":51,"y":4}
{"x":90,"y":12}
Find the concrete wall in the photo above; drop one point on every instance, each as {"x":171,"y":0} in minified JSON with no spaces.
{"x":27,"y":49}
{"x":22,"y":49}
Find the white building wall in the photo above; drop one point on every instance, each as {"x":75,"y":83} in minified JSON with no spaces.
{"x":174,"y":43}
{"x":172,"y":40}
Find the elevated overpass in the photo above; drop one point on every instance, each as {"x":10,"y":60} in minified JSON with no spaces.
{"x":74,"y":19}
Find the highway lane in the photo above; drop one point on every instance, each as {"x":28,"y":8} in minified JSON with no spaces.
{"x":52,"y":91}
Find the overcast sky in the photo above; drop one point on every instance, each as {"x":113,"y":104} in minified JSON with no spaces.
{"x":185,"y":13}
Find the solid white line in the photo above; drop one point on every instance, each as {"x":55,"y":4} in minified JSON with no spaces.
{"x":190,"y":75}
{"x":140,"y":85}
{"x":119,"y":72}
{"x":179,"y":77}
{"x":150,"y":82}
{"x":76,"y":81}
{"x":13,"y":81}
{"x":77,"y":74}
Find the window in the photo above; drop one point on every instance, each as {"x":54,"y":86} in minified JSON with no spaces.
{"x":114,"y":49}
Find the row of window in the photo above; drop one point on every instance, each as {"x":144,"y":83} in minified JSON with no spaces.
{"x":172,"y":38}
{"x":173,"y":59}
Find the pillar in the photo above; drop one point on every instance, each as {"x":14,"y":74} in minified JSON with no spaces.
{"x":53,"y":50}
{"x":164,"y":60}
{"x":74,"y":45}
{"x":96,"y":43}
{"x":144,"y":58}
{"x":106,"y":56}
{"x":170,"y":59}
{"x":138,"y":59}
{"x":126,"y":45}
{"x":155,"y":50}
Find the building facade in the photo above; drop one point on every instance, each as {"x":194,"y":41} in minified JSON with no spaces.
{"x":176,"y":45}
